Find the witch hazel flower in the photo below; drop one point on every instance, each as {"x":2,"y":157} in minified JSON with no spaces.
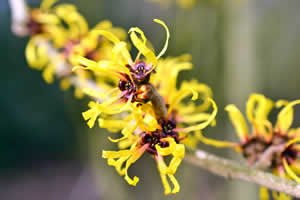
{"x":166,"y":137}
{"x":268,"y":147}
{"x":133,"y":76}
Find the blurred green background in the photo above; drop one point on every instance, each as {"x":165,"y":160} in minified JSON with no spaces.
{"x":238,"y":47}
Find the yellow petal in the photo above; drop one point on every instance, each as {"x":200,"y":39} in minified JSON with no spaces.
{"x":141,"y":45}
{"x":110,"y":36}
{"x":77,"y":25}
{"x":115,"y":154}
{"x":125,"y":132}
{"x":206,"y":123}
{"x":111,"y":66}
{"x":92,"y":114}
{"x":283,"y":196}
{"x":94,"y":93}
{"x":172,"y":66}
{"x":116,"y":110}
{"x":86,"y":62}
{"x":285,"y":117}
{"x":167,"y":39}
{"x":46,"y":4}
{"x":165,"y":183}
{"x":48,"y":19}
{"x":178,"y":155}
{"x":162,"y":171}
{"x":118,"y":124}
{"x":258,"y":109}
{"x":121,"y":48}
{"x":293,"y":141}
{"x":175,"y":184}
{"x":205,"y":93}
{"x":182,"y":93}
{"x":58,"y":34}
{"x":167,"y":150}
{"x":264,"y":194}
{"x":151,"y":122}
{"x":64,"y":84}
{"x":238,"y":121}
{"x":294,"y":132}
{"x":48,"y":73}
{"x":290,"y":171}
{"x":275,"y":195}
{"x":36,"y":55}
{"x":118,"y":164}
{"x":196,"y":118}
{"x":105,"y":24}
{"x":176,"y":68}
{"x":129,"y":162}
{"x":281,"y":103}
{"x":136,"y":29}
{"x":78,"y":93}
{"x":136,"y":154}
{"x":107,"y":67}
{"x":216,"y":143}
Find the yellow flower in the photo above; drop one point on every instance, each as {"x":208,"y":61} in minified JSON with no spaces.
{"x":188,"y":120}
{"x":91,"y":45}
{"x":131,"y":106}
{"x":121,"y":58}
{"x":65,"y":28}
{"x":284,"y":162}
{"x":49,"y":34}
{"x":159,"y":139}
{"x":265,"y":135}
{"x":76,"y":24}
{"x":133,"y":76}
{"x":178,"y":113}
{"x":156,"y":145}
{"x":43,"y":24}
{"x":258,"y":108}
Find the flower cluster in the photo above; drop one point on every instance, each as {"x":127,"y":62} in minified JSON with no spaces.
{"x":271,"y":147}
{"x":132,"y":96}
{"x":144,"y":104}
{"x":59,"y":35}
{"x":140,"y":99}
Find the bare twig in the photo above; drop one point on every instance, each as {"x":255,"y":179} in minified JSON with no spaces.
{"x":266,"y":158}
{"x":230,"y":169}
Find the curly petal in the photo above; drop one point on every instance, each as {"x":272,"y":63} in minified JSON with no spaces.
{"x":238,"y":121}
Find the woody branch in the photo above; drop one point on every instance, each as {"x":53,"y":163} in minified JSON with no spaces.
{"x":232,"y":170}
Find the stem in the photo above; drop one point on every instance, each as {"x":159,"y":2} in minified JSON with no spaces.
{"x":231,"y":170}
{"x":158,"y":103}
{"x":266,"y":158}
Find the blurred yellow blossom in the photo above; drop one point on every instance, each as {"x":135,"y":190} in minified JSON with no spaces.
{"x":264,"y":135}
